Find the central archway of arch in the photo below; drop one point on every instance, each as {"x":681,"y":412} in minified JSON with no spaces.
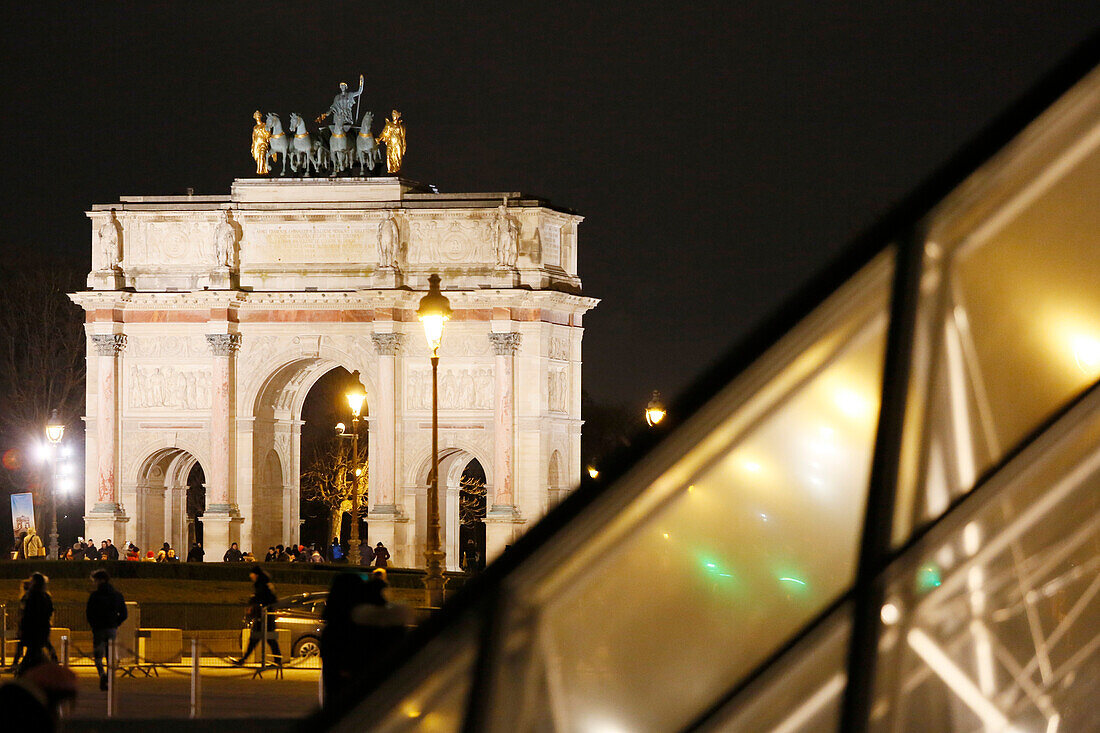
{"x":269,"y":454}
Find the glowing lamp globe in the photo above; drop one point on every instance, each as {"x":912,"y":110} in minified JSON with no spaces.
{"x":55,"y":429}
{"x":655,"y":410}
{"x":355,"y":401}
{"x":434,"y":311}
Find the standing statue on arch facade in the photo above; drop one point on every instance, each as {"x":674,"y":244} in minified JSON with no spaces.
{"x":393,"y":136}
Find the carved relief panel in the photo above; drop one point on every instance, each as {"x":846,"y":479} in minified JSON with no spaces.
{"x":460,"y":388}
{"x":557,"y":387}
{"x":182,"y":388}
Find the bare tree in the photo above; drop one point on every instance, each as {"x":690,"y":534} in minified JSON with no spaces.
{"x":471,"y":500}
{"x":42,"y":349}
{"x":329,"y":481}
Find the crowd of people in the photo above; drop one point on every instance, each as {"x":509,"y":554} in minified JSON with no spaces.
{"x":29,"y":546}
{"x":361,"y":628}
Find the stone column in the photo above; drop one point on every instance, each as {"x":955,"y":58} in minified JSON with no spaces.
{"x":383,"y":515}
{"x":502,"y":516}
{"x":221,"y":519}
{"x":107,"y":517}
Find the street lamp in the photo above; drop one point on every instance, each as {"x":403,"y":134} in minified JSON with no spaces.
{"x":55,"y":431}
{"x":655,"y":410}
{"x":433,"y":312}
{"x":355,"y":402}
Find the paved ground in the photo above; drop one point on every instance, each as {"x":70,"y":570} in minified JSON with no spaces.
{"x":226,"y":693}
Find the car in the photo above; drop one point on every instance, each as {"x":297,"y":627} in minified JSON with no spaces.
{"x":301,"y":616}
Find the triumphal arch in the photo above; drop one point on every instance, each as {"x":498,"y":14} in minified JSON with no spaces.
{"x":209,"y":318}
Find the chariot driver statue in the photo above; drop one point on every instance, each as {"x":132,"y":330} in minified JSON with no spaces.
{"x":343,"y":107}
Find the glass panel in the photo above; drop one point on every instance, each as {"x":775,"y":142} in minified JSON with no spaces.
{"x":993,"y":621}
{"x":801,"y":693}
{"x":1009,"y":320}
{"x":747,"y":532}
{"x":429,"y":693}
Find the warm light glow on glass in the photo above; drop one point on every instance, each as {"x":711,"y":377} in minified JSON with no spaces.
{"x":890,"y":614}
{"x":434,"y":311}
{"x":593,"y":472}
{"x":655,"y":410}
{"x":433,"y":330}
{"x":43,"y":451}
{"x":341,"y":428}
{"x":1086,"y":352}
{"x":55,"y":429}
{"x":355,"y":402}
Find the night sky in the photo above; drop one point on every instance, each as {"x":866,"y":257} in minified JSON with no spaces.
{"x":721,"y":152}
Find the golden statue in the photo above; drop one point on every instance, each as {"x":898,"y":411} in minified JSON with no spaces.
{"x":393,"y":135}
{"x":261,"y":144}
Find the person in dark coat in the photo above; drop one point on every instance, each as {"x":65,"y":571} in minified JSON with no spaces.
{"x":381,"y":556}
{"x":233,"y":554}
{"x":196,"y":553}
{"x":34,"y":625}
{"x":106,"y":610}
{"x":112,"y":551}
{"x":263,"y":596}
{"x":91,"y":552}
{"x":271,"y":555}
{"x":361,"y":628}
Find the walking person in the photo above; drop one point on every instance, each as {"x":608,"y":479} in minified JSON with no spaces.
{"x":32,"y":545}
{"x":34,"y":624}
{"x":470,"y":559}
{"x":106,"y":611}
{"x":263,"y":596}
{"x":196,"y":553}
{"x":381,"y":556}
{"x":361,"y":629}
{"x":233,"y":554}
{"x":337,"y":550}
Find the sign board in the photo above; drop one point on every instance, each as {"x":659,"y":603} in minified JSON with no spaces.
{"x":22,"y":513}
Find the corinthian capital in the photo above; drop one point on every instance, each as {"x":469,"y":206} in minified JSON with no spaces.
{"x":109,"y":344}
{"x":505,"y":344}
{"x":387,"y":344}
{"x":223,"y":344}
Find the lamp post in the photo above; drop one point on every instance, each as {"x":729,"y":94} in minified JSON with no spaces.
{"x":433,"y":312}
{"x":655,"y":410}
{"x":355,"y":402}
{"x":55,"y":431}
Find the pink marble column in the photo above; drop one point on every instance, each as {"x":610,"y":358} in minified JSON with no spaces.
{"x":383,"y":423}
{"x":224,"y":346}
{"x":504,"y":425}
{"x":108,"y":347}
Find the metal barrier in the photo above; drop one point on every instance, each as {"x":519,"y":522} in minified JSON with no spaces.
{"x":122,"y":661}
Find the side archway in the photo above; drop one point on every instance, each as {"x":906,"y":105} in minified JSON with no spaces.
{"x":453,"y":464}
{"x":162,"y":499}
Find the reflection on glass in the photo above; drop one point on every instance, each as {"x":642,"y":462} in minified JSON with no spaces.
{"x":1009,"y":328}
{"x":801,"y":693}
{"x":701,"y":578}
{"x":438,"y":698}
{"x":1008,"y":638}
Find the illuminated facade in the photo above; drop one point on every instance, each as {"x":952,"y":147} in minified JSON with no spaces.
{"x":209,"y":318}
{"x":883,"y":513}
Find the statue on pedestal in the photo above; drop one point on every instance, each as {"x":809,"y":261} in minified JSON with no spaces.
{"x":393,"y":136}
{"x":108,"y":242}
{"x":506,"y":237}
{"x":261,"y":144}
{"x":389,"y":238}
{"x":225,"y":236}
